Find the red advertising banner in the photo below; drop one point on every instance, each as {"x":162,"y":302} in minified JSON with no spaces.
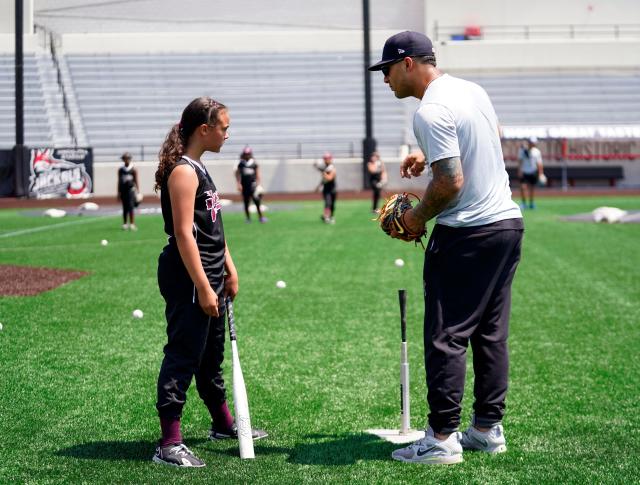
{"x":584,"y":149}
{"x":61,"y":172}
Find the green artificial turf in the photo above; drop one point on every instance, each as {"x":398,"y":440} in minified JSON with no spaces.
{"x":320,"y":357}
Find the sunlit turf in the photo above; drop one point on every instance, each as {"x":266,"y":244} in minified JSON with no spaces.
{"x":320,"y":357}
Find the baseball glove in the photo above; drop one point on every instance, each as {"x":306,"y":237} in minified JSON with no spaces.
{"x":391,"y":217}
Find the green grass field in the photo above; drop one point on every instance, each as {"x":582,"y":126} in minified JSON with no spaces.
{"x":78,"y":373}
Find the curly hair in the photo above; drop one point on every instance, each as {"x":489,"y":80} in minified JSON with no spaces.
{"x":203,"y":110}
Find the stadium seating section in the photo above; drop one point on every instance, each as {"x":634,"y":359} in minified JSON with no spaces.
{"x":283,"y":105}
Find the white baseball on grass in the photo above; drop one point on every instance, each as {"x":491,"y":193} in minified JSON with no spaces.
{"x":399,"y":263}
{"x":281,"y":284}
{"x":0,"y":326}
{"x":104,"y":242}
{"x":137,"y":313}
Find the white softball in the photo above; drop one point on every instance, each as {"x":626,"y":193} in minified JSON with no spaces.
{"x":0,"y":326}
{"x":104,"y":242}
{"x":399,"y":263}
{"x":137,"y":313}
{"x":281,"y":284}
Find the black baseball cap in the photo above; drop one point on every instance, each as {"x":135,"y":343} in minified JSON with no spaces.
{"x":404,"y":44}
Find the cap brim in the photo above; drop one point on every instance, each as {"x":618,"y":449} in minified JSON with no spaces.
{"x":379,"y":65}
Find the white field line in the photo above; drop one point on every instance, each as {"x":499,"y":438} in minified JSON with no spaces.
{"x":50,"y":227}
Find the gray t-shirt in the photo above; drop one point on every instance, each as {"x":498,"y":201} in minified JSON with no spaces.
{"x":456,"y":119}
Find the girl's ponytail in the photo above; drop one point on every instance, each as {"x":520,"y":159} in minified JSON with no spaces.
{"x":170,"y":152}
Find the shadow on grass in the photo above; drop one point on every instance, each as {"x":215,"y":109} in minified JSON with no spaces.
{"x":317,"y":449}
{"x":326,"y":449}
{"x":141,"y":450}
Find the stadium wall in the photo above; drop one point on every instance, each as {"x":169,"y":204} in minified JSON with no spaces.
{"x":8,"y":15}
{"x":30,"y":44}
{"x":293,"y":176}
{"x":278,"y":176}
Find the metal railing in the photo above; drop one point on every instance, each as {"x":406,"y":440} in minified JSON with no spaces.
{"x":278,"y":150}
{"x":531,"y":32}
{"x":51,"y":40}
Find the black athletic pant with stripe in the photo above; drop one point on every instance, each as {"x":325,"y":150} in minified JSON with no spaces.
{"x":195,"y":345}
{"x":467,"y":282}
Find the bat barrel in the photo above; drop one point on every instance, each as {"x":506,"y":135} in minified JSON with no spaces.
{"x":402,"y":296}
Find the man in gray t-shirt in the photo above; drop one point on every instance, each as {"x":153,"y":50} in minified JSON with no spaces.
{"x":472,"y":254}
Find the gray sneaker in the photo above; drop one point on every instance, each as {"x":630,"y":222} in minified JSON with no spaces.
{"x":431,"y":451}
{"x":177,"y":455}
{"x":215,"y":435}
{"x":491,"y":441}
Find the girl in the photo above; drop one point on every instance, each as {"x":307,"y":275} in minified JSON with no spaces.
{"x":127,"y":189}
{"x":328,"y":189}
{"x":377,"y":177}
{"x":248,"y":179}
{"x":195,"y":273}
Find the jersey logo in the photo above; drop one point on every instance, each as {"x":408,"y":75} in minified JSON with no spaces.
{"x":213,"y":204}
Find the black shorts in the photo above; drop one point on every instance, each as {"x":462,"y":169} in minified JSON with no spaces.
{"x":529,"y":178}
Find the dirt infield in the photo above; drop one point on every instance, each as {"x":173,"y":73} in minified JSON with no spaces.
{"x":28,"y":281}
{"x":16,"y":203}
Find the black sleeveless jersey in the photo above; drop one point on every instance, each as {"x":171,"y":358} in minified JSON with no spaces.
{"x":207,"y":223}
{"x":329,"y":187}
{"x":247,"y":170}
{"x":126,"y":180}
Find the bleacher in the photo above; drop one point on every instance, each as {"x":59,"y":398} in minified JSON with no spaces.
{"x":289,"y":105}
{"x":560,"y":98}
{"x":37,"y":130}
{"x":285,"y":105}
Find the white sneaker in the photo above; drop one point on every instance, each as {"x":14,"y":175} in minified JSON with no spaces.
{"x":133,"y":227}
{"x":125,"y":227}
{"x":431,"y":451}
{"x":491,"y":441}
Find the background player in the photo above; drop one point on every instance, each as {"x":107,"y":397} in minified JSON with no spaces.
{"x":530,"y":170}
{"x":377,"y":177}
{"x":248,"y":179}
{"x":127,"y":188}
{"x":195,"y":272}
{"x":328,"y":184}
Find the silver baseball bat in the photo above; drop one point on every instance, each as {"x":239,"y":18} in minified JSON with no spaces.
{"x":405,"y":414}
{"x":240,"y":401}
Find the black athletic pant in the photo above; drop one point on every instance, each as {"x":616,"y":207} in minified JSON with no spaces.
{"x":247,"y":197}
{"x":375,"y":187}
{"x":195,"y":344}
{"x":467,"y":282}
{"x":330,"y":200}
{"x":128,"y":199}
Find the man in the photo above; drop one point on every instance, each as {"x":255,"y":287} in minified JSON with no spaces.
{"x":472,"y":254}
{"x":530,"y":171}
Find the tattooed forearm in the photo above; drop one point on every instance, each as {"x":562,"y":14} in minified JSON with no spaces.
{"x":443,"y":188}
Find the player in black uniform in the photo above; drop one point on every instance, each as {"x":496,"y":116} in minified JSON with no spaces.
{"x":377,"y":177}
{"x":127,"y":188}
{"x":329,"y":193}
{"x":195,"y":272}
{"x":248,"y":178}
